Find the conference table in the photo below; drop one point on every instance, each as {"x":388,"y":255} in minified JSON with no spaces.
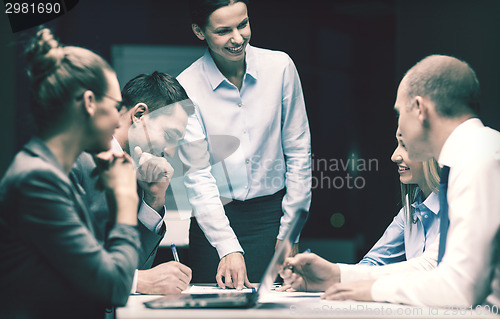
{"x":286,"y":305}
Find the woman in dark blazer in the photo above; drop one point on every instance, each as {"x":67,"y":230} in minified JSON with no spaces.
{"x":51,"y":264}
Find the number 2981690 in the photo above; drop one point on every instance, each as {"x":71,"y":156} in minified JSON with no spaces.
{"x":32,"y":8}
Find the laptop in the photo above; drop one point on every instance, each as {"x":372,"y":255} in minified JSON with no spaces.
{"x":238,"y":299}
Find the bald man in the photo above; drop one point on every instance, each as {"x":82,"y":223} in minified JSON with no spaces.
{"x":437,"y":104}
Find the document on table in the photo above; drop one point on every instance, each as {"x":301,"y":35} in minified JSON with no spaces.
{"x":198,"y":289}
{"x":268,"y":297}
{"x":290,"y":297}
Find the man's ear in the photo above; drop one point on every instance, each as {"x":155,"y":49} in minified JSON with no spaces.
{"x":197,"y":31}
{"x":89,"y":102}
{"x":138,"y":111}
{"x":422,"y":108}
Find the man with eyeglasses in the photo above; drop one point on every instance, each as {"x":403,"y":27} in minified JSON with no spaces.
{"x":155,"y":106}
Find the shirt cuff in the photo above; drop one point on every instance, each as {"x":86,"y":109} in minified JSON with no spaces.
{"x":367,"y":262}
{"x":350,"y":273}
{"x":228,"y":246}
{"x":283,"y":231}
{"x":134,"y":283}
{"x":388,"y":289}
{"x":150,"y":218}
{"x":384,"y":288}
{"x":282,"y":234}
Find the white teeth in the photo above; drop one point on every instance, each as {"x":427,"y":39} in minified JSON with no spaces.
{"x":235,"y":49}
{"x":402,"y":168}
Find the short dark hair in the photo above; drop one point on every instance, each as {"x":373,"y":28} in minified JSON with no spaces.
{"x":200,"y":10}
{"x":449,"y":82}
{"x":57,"y":73}
{"x":156,"y":90}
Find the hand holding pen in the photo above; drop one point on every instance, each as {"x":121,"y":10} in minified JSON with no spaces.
{"x":167,"y":278}
{"x":309,"y":272}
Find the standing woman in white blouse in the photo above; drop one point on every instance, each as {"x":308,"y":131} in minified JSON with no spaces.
{"x":251,"y":115}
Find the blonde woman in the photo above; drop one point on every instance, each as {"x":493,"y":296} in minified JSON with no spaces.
{"x":417,"y":224}
{"x":409,"y":243}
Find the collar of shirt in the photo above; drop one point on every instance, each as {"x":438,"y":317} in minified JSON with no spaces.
{"x":115,"y":146}
{"x":456,"y":141}
{"x":215,"y":77}
{"x":430,"y":203}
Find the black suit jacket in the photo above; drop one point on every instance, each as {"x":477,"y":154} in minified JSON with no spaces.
{"x":100,"y":212}
{"x":51,"y":264}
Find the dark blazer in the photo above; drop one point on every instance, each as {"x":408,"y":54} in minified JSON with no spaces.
{"x":100,"y":212}
{"x":51,"y":264}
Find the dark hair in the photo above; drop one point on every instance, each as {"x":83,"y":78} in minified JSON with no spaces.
{"x":449,"y":82}
{"x":56,"y":73}
{"x":200,"y":10}
{"x":156,"y":90}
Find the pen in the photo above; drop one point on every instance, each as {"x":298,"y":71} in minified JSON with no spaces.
{"x":174,"y":252}
{"x":288,"y":266}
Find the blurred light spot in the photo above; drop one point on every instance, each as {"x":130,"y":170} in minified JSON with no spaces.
{"x":337,"y":220}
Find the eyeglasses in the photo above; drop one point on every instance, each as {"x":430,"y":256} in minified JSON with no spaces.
{"x":119,"y":105}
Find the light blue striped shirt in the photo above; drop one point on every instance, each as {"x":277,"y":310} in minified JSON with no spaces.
{"x":399,"y":243}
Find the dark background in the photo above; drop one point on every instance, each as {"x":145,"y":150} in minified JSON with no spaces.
{"x":350,"y":54}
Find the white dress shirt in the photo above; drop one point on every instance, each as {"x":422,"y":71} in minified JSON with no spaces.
{"x":258,"y":140}
{"x":424,"y":262}
{"x":469,"y":272}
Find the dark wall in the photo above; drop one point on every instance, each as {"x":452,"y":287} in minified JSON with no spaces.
{"x":350,"y":55}
{"x":469,"y":30}
{"x":7,"y":92}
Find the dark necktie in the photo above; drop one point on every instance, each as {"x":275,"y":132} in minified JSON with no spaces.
{"x":443,"y":212}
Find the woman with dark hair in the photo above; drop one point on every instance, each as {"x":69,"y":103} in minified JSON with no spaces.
{"x":52,"y":264}
{"x":250,"y":110}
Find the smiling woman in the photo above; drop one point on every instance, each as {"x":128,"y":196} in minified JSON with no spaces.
{"x":416,"y":226}
{"x":227,"y":33}
{"x":255,"y":97}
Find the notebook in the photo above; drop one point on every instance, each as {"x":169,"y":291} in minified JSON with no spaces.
{"x":238,"y":299}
